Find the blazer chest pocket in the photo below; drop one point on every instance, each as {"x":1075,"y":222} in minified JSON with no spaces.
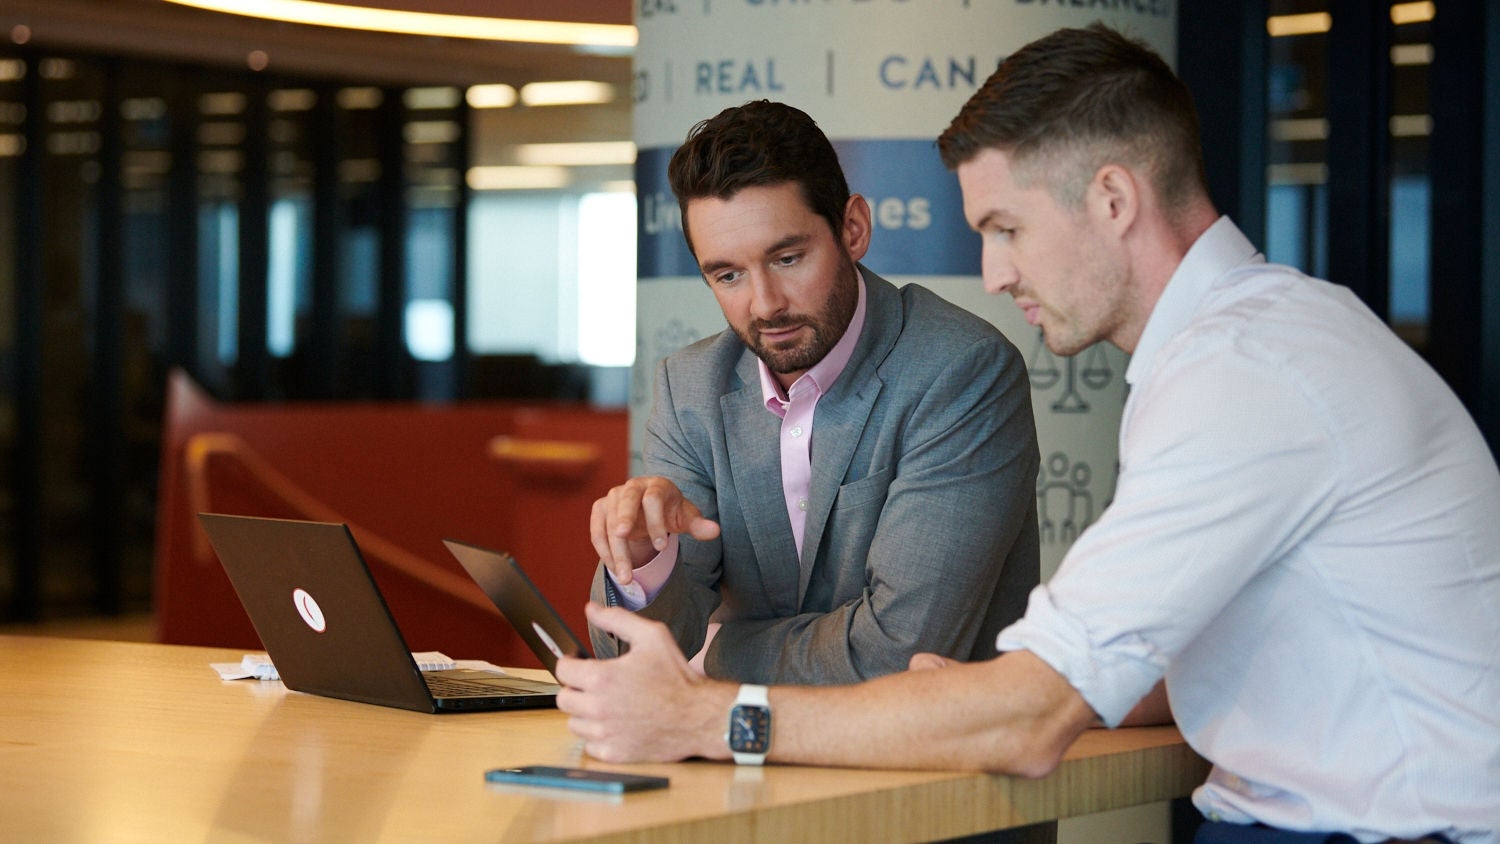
{"x":868,"y":491}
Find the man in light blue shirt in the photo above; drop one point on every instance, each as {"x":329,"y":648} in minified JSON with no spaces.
{"x":1301,"y":563}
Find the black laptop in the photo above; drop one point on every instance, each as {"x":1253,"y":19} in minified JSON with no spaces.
{"x":328,"y":630}
{"x":518,"y":599}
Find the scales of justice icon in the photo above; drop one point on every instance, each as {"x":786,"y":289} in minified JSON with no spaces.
{"x":1065,"y":499}
{"x":1094,"y":373}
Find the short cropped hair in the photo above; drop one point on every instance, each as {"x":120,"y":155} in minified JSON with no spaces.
{"x":1068,"y":103}
{"x":760,"y":143}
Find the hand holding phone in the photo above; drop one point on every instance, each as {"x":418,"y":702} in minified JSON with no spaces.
{"x":579,"y":779}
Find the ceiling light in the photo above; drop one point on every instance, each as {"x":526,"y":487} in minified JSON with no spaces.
{"x":1300,"y":129}
{"x":147,"y":161}
{"x":73,"y":143}
{"x":581,"y":92}
{"x":431,"y":132}
{"x":357,"y":170}
{"x":222,"y":103}
{"x":1311,"y":173}
{"x":1402,"y":13}
{"x":57,"y":69}
{"x":221,"y":134}
{"x":517,"y":178}
{"x":292,"y":99}
{"x":220,"y":161}
{"x":491,"y":96}
{"x":1406,"y":55}
{"x":419,"y":99}
{"x":73,"y":111}
{"x":426,"y":23}
{"x":353,"y":99}
{"x":1311,"y":23}
{"x":577,"y":154}
{"x":1411,"y":125}
{"x":143,"y":108}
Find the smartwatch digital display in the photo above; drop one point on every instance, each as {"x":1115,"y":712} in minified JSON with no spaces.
{"x":749,"y":733}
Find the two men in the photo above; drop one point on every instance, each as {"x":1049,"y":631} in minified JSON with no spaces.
{"x":1302,"y":557}
{"x":804,"y":468}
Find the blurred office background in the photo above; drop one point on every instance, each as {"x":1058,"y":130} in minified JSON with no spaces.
{"x":291,"y":212}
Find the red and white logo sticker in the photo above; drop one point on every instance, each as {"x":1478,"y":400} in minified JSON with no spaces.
{"x":309,"y":610}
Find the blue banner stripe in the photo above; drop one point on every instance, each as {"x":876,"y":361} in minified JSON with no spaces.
{"x":915,"y":202}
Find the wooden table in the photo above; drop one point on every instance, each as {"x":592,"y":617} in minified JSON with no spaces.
{"x":114,"y":741}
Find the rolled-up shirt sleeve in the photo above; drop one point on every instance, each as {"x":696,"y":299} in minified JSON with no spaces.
{"x":1112,"y":679}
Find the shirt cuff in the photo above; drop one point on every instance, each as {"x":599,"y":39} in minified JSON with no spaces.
{"x":648,"y":579}
{"x":1112,"y":677}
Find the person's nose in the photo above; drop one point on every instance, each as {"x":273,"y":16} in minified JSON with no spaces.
{"x":767,"y":299}
{"x":998,"y":271}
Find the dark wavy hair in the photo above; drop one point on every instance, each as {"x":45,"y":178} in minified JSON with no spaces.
{"x":757,"y":144}
{"x":1068,"y":103}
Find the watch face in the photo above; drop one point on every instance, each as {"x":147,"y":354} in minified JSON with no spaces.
{"x":749,"y":729}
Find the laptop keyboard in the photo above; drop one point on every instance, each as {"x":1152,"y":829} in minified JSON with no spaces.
{"x":442,"y":686}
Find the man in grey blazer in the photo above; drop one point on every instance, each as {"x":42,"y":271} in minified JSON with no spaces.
{"x":844,"y":478}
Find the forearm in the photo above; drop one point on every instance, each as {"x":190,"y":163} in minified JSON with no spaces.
{"x":1012,"y":715}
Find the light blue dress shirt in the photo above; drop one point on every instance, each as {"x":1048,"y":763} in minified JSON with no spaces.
{"x":1305,"y":542}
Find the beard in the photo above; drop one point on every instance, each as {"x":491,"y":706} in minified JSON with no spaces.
{"x":1099,"y":300}
{"x":828,"y":327}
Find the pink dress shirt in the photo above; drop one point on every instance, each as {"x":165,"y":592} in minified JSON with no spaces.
{"x":795,"y":406}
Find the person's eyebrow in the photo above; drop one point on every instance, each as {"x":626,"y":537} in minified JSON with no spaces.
{"x":784,"y":243}
{"x":987,"y":219}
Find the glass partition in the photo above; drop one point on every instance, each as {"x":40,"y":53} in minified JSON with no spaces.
{"x":1300,"y":92}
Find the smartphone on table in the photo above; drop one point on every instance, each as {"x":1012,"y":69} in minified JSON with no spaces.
{"x":578,"y":779}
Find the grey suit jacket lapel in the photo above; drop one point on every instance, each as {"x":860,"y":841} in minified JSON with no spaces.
{"x":843,"y":413}
{"x":753,"y":440}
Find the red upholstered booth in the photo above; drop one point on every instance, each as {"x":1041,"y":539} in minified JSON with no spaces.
{"x":519,"y":477}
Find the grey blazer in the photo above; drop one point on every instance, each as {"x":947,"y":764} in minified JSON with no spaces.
{"x":921,"y":529}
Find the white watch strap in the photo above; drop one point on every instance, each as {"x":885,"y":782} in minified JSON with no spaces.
{"x":751,"y":695}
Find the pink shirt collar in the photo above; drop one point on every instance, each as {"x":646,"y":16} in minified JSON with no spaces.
{"x":826,"y":371}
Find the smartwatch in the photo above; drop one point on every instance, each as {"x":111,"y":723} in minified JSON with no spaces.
{"x":749,"y":733}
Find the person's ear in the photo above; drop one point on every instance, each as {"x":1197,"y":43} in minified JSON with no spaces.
{"x":1114,"y":197}
{"x":856,"y":233}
